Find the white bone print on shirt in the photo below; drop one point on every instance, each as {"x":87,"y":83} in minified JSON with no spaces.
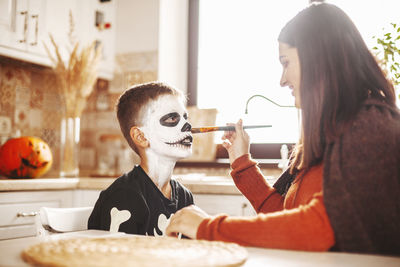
{"x":118,"y":217}
{"x":162,"y":224}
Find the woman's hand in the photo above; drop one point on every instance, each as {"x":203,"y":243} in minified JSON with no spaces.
{"x":186,"y":221}
{"x":237,"y":143}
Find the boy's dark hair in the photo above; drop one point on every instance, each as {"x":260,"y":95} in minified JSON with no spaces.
{"x":131,"y":103}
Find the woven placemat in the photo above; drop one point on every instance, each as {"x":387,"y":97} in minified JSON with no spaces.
{"x":135,"y":251}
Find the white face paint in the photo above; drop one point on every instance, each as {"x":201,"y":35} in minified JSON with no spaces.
{"x":167,"y":129}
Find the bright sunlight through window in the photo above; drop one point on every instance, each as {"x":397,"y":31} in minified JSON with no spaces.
{"x":238,"y":58}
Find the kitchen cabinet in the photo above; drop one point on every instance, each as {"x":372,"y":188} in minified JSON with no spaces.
{"x":22,"y":29}
{"x":85,"y":197}
{"x":58,"y":25}
{"x":25,"y":26}
{"x":18,"y":210}
{"x":96,"y":21}
{"x":27,"y":196}
{"x":235,"y":205}
{"x":93,"y":21}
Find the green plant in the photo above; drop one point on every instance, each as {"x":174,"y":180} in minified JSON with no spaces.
{"x":388,"y":52}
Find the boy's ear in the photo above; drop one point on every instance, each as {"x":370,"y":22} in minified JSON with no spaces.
{"x":138,"y":137}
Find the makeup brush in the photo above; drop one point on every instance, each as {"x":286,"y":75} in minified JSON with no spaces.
{"x":224,"y":128}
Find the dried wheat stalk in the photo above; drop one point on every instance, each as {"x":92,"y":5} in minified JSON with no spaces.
{"x":76,"y":78}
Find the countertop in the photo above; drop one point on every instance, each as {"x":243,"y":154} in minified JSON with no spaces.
{"x":10,"y":251}
{"x":198,"y":184}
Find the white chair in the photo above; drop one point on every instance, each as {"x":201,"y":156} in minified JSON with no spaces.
{"x":60,"y":220}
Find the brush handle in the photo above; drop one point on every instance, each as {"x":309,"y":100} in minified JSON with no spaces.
{"x":224,"y":128}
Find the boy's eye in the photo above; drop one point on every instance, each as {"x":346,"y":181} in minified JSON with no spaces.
{"x":170,"y":119}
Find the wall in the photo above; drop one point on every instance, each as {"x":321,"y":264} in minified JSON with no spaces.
{"x":173,"y":43}
{"x":150,"y":45}
{"x":137,"y":26}
{"x":153,"y":33}
{"x":136,"y":43}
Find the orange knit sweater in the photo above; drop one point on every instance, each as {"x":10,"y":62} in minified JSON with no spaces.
{"x":296,"y":221}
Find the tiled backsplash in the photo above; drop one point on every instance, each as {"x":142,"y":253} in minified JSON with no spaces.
{"x":32,"y":104}
{"x":29,"y":99}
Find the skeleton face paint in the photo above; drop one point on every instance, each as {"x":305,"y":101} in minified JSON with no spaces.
{"x":167,"y":129}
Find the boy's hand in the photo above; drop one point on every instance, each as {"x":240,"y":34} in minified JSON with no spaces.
{"x":186,"y":221}
{"x":237,"y":143}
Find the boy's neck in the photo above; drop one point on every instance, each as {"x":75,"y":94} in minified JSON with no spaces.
{"x":159,"y":169}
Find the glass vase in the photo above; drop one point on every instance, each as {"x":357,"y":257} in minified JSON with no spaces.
{"x":69,"y":150}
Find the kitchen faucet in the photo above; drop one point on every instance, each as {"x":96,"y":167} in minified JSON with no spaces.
{"x":284,"y":151}
{"x":266,"y":98}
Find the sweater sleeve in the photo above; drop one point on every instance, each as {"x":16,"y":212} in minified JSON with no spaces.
{"x":250,"y":181}
{"x":304,"y":228}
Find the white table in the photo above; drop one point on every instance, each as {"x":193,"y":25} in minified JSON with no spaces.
{"x":10,"y":254}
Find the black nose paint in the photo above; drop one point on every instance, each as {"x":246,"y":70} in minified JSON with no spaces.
{"x":186,"y":127}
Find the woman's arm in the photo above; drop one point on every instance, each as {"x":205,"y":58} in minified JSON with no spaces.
{"x":304,"y":228}
{"x":245,"y":173}
{"x":250,"y":181}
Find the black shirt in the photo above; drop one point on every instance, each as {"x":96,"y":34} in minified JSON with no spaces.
{"x":135,"y":191}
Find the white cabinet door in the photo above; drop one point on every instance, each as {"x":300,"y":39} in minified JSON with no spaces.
{"x":25,"y":26}
{"x":58,"y":22}
{"x":18,"y":219}
{"x":37,"y":30}
{"x":22,"y":29}
{"x":13,"y":24}
{"x":104,"y":34}
{"x":85,"y":197}
{"x":235,"y":205}
{"x":18,"y":210}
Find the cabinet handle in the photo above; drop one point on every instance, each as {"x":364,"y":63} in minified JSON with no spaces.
{"x":27,"y":214}
{"x":36,"y":18}
{"x":25,"y":14}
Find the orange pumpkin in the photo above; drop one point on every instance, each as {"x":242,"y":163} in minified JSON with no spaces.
{"x":25,"y":157}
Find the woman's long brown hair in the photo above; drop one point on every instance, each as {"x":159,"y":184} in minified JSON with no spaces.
{"x":338,"y":73}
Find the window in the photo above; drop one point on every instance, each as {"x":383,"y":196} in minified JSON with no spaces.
{"x":237,"y":57}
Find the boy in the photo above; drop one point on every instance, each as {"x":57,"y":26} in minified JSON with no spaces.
{"x":153,"y":120}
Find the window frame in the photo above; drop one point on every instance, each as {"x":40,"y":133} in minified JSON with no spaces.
{"x":267,"y":153}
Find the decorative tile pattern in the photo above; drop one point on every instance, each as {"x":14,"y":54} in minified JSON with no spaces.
{"x":35,"y":118}
{"x":22,"y":96}
{"x":28,"y":97}
{"x":52,"y":102}
{"x":7,"y":99}
{"x":144,"y":61}
{"x":113,"y":101}
{"x":21,"y":120}
{"x":134,"y":68}
{"x":36,"y":98}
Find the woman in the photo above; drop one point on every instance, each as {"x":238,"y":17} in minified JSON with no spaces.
{"x":342,"y":189}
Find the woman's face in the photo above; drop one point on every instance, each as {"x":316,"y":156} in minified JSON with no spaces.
{"x":291,"y":73}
